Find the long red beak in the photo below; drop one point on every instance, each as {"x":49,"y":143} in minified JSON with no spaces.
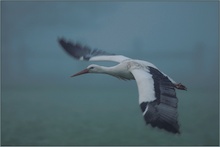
{"x":81,"y":72}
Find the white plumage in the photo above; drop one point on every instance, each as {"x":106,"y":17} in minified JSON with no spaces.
{"x":145,"y":85}
{"x":157,"y":97}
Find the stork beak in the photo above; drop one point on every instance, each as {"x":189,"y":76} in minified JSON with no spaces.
{"x":81,"y":72}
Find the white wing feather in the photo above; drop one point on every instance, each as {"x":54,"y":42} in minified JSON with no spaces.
{"x":145,"y":84}
{"x":114,"y":58}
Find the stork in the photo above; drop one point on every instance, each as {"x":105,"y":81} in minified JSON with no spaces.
{"x":157,"y":96}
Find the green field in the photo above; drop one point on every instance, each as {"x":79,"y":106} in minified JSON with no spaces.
{"x":90,"y":116}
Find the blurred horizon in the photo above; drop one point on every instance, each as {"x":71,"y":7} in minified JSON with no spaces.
{"x":180,"y":38}
{"x":42,"y":105}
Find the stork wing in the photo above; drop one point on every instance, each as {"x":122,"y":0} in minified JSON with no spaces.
{"x":85,"y":53}
{"x":157,"y":99}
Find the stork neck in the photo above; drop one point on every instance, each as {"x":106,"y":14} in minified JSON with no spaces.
{"x":118,"y":71}
{"x":107,"y":70}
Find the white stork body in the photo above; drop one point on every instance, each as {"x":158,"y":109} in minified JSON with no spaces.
{"x":157,"y":97}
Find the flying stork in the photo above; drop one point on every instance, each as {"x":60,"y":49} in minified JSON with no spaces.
{"x":157,"y":96}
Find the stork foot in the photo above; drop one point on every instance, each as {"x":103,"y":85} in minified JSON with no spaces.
{"x":180,"y":86}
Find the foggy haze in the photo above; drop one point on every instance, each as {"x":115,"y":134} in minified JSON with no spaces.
{"x":181,"y":38}
{"x":42,"y":105}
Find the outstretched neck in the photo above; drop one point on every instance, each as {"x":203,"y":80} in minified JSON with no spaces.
{"x":116,"y":71}
{"x":105,"y":70}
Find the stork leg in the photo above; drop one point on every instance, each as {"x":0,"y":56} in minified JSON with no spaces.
{"x":180,"y":86}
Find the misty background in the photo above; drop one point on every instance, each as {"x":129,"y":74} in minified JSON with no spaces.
{"x":180,"y":38}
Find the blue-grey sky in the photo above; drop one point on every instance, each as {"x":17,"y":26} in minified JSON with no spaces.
{"x":181,"y":38}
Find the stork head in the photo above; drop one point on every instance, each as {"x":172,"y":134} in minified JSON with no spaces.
{"x":90,"y":69}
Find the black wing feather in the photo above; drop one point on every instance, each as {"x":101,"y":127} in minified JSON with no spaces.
{"x":80,"y":52}
{"x":162,"y":112}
